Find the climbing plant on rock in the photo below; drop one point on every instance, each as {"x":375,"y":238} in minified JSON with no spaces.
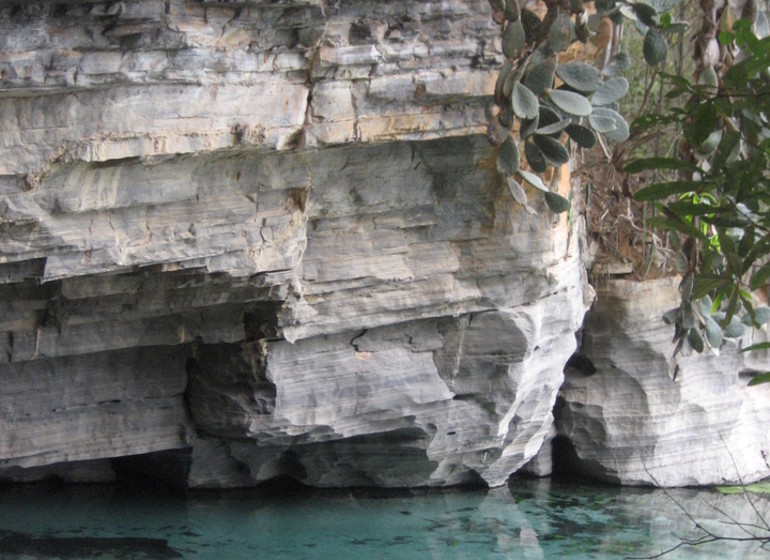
{"x":539,"y":102}
{"x":717,"y":195}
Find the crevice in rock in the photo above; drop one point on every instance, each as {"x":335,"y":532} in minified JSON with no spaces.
{"x":579,"y":365}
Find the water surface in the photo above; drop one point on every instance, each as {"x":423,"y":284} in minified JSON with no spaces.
{"x":527,"y":519}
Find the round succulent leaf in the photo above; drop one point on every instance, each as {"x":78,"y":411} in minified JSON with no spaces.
{"x":531,"y":24}
{"x":505,"y":71}
{"x":617,"y":65}
{"x":555,"y":128}
{"x":525,"y":104}
{"x":496,"y":132}
{"x":518,"y":194}
{"x":533,"y":180}
{"x":627,"y":11}
{"x":713,"y":332}
{"x":497,"y":5}
{"x":514,"y":39}
{"x":506,"y":116}
{"x":645,"y":13}
{"x":570,"y":102}
{"x":610,"y":123}
{"x":535,"y":157}
{"x":579,"y":76}
{"x":621,"y":132}
{"x":762,"y":315}
{"x":610,"y":91}
{"x":554,"y":151}
{"x":655,"y":48}
{"x":508,"y":158}
{"x":696,"y":342}
{"x":560,"y":33}
{"x":582,"y":135}
{"x":539,"y":76}
{"x":511,"y":10}
{"x":601,"y":123}
{"x":528,"y":127}
{"x":557,"y":202}
{"x":735,"y":328}
{"x":548,"y":115}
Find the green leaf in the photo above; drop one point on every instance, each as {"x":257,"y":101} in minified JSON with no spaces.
{"x":533,"y":180}
{"x":659,"y":163}
{"x":755,"y":347}
{"x":535,"y":157}
{"x":554,"y":151}
{"x":556,"y":202}
{"x":762,"y":315}
{"x":760,"y":277}
{"x":514,"y":39}
{"x":702,"y":124}
{"x":511,"y":10}
{"x":617,"y":65}
{"x":583,"y":136}
{"x":548,"y":116}
{"x":531,"y":24}
{"x":518,"y":194}
{"x":704,"y":285}
{"x":610,"y":91}
{"x":621,"y":132}
{"x":756,"y":380}
{"x":695,"y":341}
{"x":570,"y":102}
{"x":508,"y":158}
{"x":655,"y":48}
{"x":560,"y":33}
{"x":601,"y":123}
{"x":579,"y":76}
{"x":734,"y":329}
{"x":726,"y":38}
{"x":713,"y":333}
{"x":554,"y":128}
{"x":528,"y":127}
{"x":645,"y":13}
{"x":676,"y":27}
{"x":525,"y":104}
{"x":659,"y":191}
{"x":505,"y":71}
{"x":540,"y":76}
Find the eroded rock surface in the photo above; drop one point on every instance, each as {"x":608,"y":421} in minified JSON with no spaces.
{"x":629,"y":422}
{"x":271,"y":232}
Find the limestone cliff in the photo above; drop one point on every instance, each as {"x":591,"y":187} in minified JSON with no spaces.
{"x":244,"y":239}
{"x":269,"y":232}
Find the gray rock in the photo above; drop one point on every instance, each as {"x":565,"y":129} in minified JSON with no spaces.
{"x":630,"y":423}
{"x":271,"y":232}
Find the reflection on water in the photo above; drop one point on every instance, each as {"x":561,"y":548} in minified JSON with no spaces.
{"x":529,"y":519}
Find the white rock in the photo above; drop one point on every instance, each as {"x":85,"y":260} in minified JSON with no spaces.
{"x":630,"y":423}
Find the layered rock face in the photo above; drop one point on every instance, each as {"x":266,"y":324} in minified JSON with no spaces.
{"x":269,"y":232}
{"x":629,"y":422}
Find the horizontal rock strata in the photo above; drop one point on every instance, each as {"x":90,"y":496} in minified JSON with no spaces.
{"x":629,"y":422}
{"x":270,"y":232}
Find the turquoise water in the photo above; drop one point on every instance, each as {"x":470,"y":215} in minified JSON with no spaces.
{"x":528,"y":519}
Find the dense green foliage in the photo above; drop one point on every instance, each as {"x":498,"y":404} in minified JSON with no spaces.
{"x":715,"y":194}
{"x":532,"y":111}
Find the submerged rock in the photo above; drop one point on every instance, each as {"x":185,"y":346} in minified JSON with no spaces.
{"x":628,"y":422}
{"x":29,"y":547}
